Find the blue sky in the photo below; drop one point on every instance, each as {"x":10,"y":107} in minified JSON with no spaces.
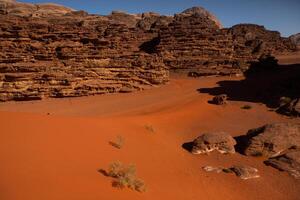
{"x":280,"y":15}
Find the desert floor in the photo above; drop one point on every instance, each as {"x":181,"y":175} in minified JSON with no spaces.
{"x":53,"y":149}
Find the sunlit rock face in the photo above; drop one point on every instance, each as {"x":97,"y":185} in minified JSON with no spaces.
{"x":47,"y":50}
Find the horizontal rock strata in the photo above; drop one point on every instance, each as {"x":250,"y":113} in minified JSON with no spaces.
{"x":47,"y":50}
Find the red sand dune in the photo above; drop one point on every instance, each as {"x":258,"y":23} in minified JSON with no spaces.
{"x":57,"y":155}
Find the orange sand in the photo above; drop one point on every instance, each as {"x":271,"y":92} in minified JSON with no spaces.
{"x":57,"y":156}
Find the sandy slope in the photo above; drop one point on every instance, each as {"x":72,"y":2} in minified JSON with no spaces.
{"x":52,"y":149}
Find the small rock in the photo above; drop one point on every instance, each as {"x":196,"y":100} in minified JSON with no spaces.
{"x":220,"y":99}
{"x":212,"y":169}
{"x":220,"y":141}
{"x":245,"y":172}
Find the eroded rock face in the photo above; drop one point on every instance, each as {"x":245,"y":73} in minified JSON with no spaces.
{"x":288,"y":161}
{"x":199,"y":11}
{"x":295,"y":39}
{"x":219,"y":141}
{"x":47,"y":50}
{"x":273,"y":139}
{"x":71,"y":56}
{"x":15,"y":8}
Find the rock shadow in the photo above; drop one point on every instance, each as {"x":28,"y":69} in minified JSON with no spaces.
{"x":264,"y":83}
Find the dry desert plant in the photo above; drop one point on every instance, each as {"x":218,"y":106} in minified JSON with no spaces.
{"x":149,"y":128}
{"x":125,"y":176}
{"x":118,"y":143}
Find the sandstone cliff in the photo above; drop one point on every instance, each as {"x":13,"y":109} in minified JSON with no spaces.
{"x":53,"y":51}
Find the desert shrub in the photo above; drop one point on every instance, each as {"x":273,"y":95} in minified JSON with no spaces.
{"x":118,"y":143}
{"x":125,"y":176}
{"x":150,"y":128}
{"x":246,"y":107}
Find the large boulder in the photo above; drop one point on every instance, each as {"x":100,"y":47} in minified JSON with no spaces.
{"x":272,"y":139}
{"x":200,"y":11}
{"x":289,"y":162}
{"x":219,"y":141}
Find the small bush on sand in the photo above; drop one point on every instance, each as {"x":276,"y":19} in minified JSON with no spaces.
{"x":118,"y":143}
{"x":125,"y":176}
{"x":150,"y":128}
{"x":246,"y":107}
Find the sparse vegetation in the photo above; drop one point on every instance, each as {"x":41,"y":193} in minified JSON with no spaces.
{"x":125,"y":176}
{"x":246,"y":107}
{"x":149,"y":128}
{"x":118,"y":143}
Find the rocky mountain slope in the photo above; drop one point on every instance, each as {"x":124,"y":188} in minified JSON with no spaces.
{"x":52,"y":51}
{"x":295,"y":39}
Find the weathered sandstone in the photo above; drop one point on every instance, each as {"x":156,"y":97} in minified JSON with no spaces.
{"x":219,"y":141}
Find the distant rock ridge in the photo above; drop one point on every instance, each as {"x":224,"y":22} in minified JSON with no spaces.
{"x":15,"y":8}
{"x":47,"y":50}
{"x":295,"y":39}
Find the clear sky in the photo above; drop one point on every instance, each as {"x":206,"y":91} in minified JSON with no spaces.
{"x":280,"y":15}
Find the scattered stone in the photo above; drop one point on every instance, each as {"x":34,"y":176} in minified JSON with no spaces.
{"x":220,"y":141}
{"x":272,"y":139}
{"x":220,"y":99}
{"x":288,"y":161}
{"x":212,"y":169}
{"x":244,"y":172}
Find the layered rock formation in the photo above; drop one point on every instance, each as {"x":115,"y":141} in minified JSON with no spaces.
{"x":195,"y":42}
{"x":15,"y":8}
{"x":295,"y":39}
{"x":52,"y":51}
{"x":73,"y":55}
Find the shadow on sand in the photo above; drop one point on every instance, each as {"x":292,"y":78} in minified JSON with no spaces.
{"x":264,"y":83}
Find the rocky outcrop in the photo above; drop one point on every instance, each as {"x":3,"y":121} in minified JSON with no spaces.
{"x":47,"y":50}
{"x":273,"y":139}
{"x":15,"y":8}
{"x":194,"y":42}
{"x":295,"y":39}
{"x":288,"y":161}
{"x":255,"y":40}
{"x":74,"y":55}
{"x":219,"y":141}
{"x":199,"y":11}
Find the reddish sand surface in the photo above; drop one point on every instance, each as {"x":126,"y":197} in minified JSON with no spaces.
{"x":53,"y":149}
